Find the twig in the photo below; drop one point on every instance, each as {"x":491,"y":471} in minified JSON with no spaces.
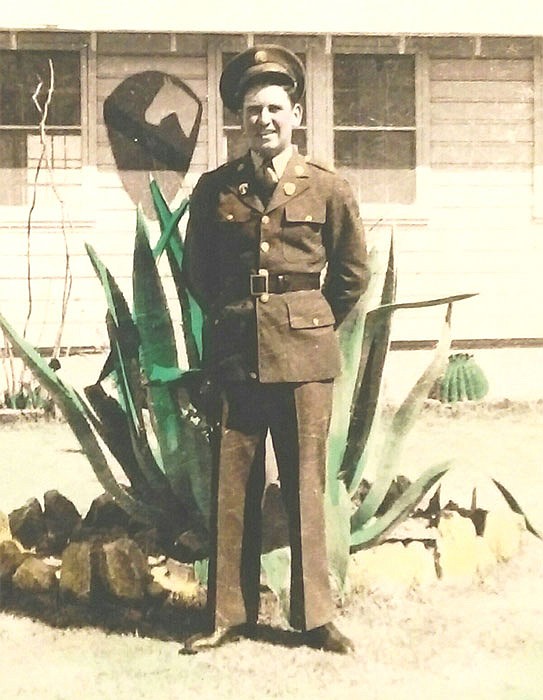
{"x":44,"y":156}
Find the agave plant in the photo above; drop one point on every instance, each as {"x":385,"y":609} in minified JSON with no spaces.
{"x":155,"y":433}
{"x":149,"y":426}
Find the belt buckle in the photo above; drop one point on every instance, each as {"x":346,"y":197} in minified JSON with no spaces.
{"x":259,"y":282}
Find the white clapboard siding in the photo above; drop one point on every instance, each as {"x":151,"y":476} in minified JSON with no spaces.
{"x":480,"y":190}
{"x":101,"y":200}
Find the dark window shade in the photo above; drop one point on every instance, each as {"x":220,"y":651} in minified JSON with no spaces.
{"x":20,"y":74}
{"x":375,"y":125}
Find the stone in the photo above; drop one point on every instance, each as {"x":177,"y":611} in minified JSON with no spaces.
{"x":61,"y":518}
{"x":422,"y":562}
{"x":27,"y":524}
{"x":148,"y":540}
{"x":76,"y":571}
{"x":123,"y":570}
{"x":178,"y":579}
{"x":486,"y":558}
{"x":5,"y":532}
{"x":503,"y":532}
{"x":385,"y":567}
{"x":456,"y":549}
{"x":11,"y":558}
{"x":105,"y":514}
{"x":35,"y":576}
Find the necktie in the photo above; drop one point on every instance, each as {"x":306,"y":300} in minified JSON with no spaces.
{"x":267,"y":180}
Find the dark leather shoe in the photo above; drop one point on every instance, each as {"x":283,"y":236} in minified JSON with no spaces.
{"x":203,"y":641}
{"x":328,"y":638}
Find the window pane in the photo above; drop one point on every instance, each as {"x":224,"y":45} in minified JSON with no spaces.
{"x":374,"y":91}
{"x":20,"y":74}
{"x":13,"y":158}
{"x":375,"y":150}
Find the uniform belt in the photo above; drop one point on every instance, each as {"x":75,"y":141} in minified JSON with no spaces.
{"x":263,"y":283}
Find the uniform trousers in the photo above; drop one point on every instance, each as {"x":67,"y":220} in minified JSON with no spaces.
{"x":297,"y":416}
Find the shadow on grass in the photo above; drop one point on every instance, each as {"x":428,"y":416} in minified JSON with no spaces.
{"x":154,"y":621}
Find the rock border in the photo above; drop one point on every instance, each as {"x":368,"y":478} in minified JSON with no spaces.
{"x":101,"y":570}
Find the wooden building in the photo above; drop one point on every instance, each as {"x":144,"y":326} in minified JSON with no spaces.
{"x":441,"y":136}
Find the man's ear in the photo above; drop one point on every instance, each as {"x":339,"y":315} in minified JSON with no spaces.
{"x":297,"y":112}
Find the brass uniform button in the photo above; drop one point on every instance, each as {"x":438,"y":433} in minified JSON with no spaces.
{"x":264,"y":297}
{"x":309,"y":217}
{"x":316,"y":321}
{"x":229,"y":217}
{"x":253,"y":375}
{"x":299,"y":170}
{"x":265,"y":219}
{"x":264,"y":246}
{"x":289,"y":188}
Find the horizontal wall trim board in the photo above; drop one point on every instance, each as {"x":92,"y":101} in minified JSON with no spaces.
{"x":470,"y":344}
{"x":466,"y":344}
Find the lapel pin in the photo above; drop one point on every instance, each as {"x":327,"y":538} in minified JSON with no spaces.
{"x":243,"y":188}
{"x":289,"y":188}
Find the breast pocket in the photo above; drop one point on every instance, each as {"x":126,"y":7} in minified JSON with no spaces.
{"x":301,"y":234}
{"x":235,"y":231}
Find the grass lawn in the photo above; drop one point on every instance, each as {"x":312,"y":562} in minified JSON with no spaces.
{"x":478,"y":643}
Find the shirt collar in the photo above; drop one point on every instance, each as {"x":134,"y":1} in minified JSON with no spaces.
{"x":279,"y":161}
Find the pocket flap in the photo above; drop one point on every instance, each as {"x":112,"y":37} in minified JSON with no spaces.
{"x":309,"y":311}
{"x":306,"y":210}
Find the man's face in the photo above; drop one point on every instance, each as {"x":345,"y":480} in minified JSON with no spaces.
{"x":268,"y":118}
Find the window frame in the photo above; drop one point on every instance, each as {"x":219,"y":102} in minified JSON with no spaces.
{"x":319,"y":51}
{"x":383,"y":212}
{"x":44,"y":214}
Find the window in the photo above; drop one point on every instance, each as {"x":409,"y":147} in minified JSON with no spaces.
{"x":20,"y":146}
{"x":235,"y":143}
{"x":375,"y":125}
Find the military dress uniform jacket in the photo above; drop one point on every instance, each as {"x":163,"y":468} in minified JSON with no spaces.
{"x":310,"y":230}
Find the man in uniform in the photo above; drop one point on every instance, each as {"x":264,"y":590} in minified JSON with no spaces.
{"x":275,"y":256}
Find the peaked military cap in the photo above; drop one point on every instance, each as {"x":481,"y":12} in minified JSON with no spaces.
{"x":275,"y":63}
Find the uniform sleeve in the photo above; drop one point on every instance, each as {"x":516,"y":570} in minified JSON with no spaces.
{"x":198,"y":260}
{"x":347,"y":275}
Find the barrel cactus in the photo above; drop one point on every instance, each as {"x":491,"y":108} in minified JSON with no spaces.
{"x":463,"y":380}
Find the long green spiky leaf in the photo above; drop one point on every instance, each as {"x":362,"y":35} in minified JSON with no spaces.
{"x":515,"y":507}
{"x":402,"y":422}
{"x":73,"y":410}
{"x":185,"y":453}
{"x":124,"y":342}
{"x":170,"y":241}
{"x":111,"y":423}
{"x":387,"y":308}
{"x":368,"y":383}
{"x":351,"y":333}
{"x":367,"y":533}
{"x":338,"y":532}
